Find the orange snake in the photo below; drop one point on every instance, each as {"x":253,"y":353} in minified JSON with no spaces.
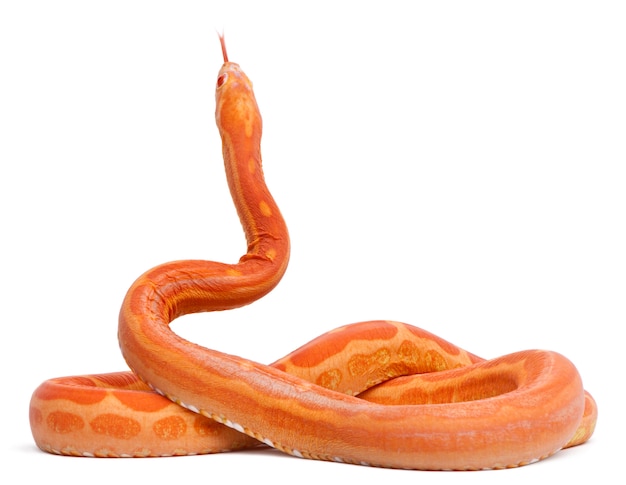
{"x":422,"y":403}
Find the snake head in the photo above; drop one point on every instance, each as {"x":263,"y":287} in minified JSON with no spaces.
{"x":236,"y":112}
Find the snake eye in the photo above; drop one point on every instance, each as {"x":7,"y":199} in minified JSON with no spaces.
{"x":221,"y":80}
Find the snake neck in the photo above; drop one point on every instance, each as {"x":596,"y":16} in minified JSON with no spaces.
{"x":177,"y":288}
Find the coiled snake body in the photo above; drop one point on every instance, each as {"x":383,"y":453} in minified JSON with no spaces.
{"x":374,"y":393}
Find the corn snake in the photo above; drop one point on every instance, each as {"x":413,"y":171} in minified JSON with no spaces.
{"x":374,"y":393}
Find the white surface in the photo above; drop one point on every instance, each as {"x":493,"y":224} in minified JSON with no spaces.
{"x":455,"y":165}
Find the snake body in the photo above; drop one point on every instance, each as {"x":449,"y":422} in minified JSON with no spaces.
{"x":374,"y":393}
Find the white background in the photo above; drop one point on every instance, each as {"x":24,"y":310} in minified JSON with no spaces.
{"x":454,"y":165}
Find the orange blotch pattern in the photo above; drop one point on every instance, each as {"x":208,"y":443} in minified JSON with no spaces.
{"x":421,"y":361}
{"x":115,"y":426}
{"x":362,"y":364}
{"x":329,"y":379}
{"x":64,"y":422}
{"x":170,"y":428}
{"x":205,"y":426}
{"x":435,"y":361}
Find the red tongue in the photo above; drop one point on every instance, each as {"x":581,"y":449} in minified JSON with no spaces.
{"x":223,"y":47}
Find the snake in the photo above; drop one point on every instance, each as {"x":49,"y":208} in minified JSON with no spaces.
{"x":378,"y":393}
